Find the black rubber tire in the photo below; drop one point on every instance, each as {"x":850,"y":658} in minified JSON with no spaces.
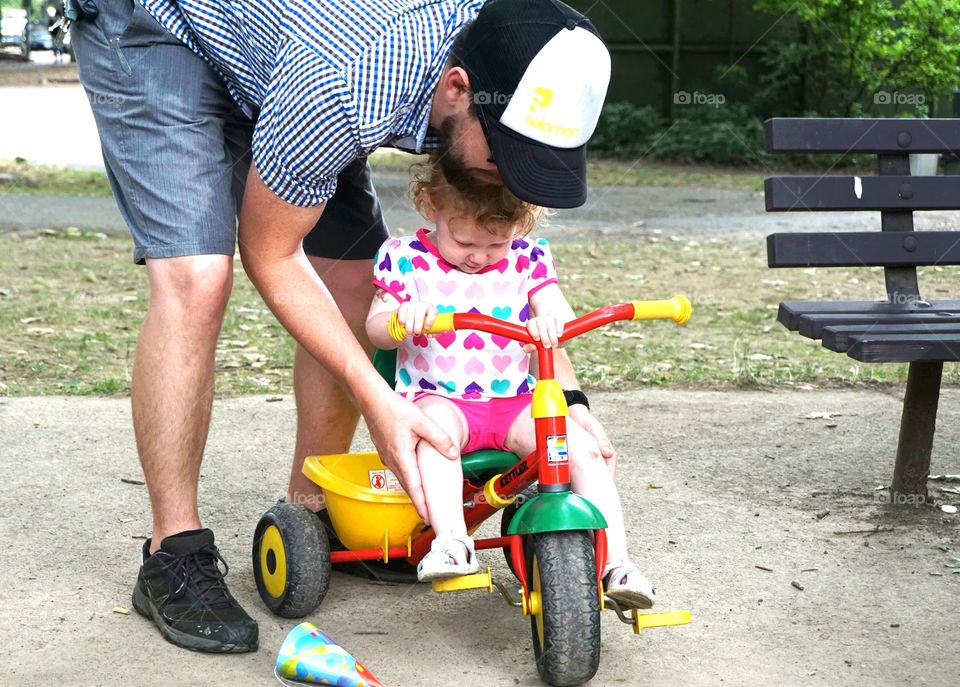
{"x":506,"y":517}
{"x":566,"y":632}
{"x":305,"y":578}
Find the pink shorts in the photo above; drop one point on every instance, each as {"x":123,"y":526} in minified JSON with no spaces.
{"x":488,"y":421}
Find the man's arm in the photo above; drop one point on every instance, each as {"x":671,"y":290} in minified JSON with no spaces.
{"x":270,"y":236}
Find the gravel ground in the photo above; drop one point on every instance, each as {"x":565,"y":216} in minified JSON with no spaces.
{"x":742,"y":479}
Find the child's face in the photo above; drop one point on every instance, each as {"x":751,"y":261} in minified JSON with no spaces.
{"x":468,"y":247}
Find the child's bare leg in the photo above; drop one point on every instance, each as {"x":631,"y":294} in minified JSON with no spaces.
{"x":589,"y":475}
{"x":443,"y":478}
{"x":592,"y":479}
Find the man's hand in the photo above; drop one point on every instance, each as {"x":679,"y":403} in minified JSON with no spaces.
{"x":396,"y":427}
{"x":580,"y":414}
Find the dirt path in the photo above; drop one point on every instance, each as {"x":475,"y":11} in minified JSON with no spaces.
{"x":714,"y":485}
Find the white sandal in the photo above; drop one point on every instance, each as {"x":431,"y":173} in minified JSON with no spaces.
{"x":628,"y":587}
{"x":449,"y":556}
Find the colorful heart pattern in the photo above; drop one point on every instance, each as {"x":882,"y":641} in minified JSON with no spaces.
{"x":465,"y":364}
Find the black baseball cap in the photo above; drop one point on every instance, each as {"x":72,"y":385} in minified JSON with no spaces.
{"x":539,"y":73}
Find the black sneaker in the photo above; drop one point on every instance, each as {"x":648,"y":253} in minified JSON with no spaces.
{"x":396,"y":571}
{"x":181,"y":588}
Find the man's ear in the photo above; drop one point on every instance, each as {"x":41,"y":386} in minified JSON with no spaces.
{"x":455,"y":90}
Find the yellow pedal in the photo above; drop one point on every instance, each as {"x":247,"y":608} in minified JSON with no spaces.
{"x":482,"y":580}
{"x":646,"y":619}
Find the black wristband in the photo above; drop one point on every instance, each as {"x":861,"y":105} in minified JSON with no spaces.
{"x":576,"y":397}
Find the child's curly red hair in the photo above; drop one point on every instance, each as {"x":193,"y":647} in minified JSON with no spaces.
{"x":490,"y":205}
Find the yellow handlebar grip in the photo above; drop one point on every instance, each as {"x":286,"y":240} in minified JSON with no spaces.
{"x":677,"y":309}
{"x":443,"y":323}
{"x":396,"y":330}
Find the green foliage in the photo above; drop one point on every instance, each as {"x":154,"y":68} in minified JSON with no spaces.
{"x":625,"y":130}
{"x":850,"y":57}
{"x":722,"y":134}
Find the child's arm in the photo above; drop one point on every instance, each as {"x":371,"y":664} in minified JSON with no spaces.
{"x":415,"y":316}
{"x":549,"y":312}
{"x":555,"y":302}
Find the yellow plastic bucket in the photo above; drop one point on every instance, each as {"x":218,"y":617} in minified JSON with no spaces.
{"x":365,"y":502}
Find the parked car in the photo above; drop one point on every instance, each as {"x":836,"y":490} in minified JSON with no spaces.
{"x":38,"y":34}
{"x":13,"y":20}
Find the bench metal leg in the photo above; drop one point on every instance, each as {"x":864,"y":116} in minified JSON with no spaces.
{"x":917,"y":426}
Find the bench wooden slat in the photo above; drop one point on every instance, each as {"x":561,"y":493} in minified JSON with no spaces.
{"x":811,"y":326}
{"x":845,"y":134}
{"x":863,"y":249}
{"x":906,"y":348}
{"x":819,"y":194}
{"x":790,"y":312}
{"x":839,"y":338}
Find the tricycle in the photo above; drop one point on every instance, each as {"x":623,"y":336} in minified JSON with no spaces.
{"x":553,"y":540}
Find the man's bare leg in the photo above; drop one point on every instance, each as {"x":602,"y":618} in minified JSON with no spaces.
{"x":326,"y":416}
{"x":173,"y":372}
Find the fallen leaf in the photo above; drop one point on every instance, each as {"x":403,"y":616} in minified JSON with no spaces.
{"x":819,"y":416}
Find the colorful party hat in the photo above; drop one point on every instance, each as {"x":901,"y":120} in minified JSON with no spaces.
{"x":308,"y":655}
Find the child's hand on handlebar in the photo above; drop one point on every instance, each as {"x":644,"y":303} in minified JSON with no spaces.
{"x":416,"y":316}
{"x":547,"y":329}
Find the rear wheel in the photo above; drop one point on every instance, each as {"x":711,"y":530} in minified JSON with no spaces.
{"x":291,"y":560}
{"x":564,"y":605}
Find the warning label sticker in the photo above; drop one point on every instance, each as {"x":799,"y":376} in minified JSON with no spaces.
{"x":557,"y":448}
{"x":384,"y":480}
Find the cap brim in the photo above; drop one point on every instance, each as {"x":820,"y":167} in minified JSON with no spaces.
{"x":536,"y":173}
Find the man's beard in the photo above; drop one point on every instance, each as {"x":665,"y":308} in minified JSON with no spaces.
{"x":452,"y":164}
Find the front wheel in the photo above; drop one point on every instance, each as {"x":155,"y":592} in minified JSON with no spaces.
{"x":291,"y":560}
{"x":564,"y":606}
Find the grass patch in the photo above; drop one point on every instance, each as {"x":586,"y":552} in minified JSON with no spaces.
{"x":20,"y":176}
{"x":645,"y":173}
{"x":71,"y":305}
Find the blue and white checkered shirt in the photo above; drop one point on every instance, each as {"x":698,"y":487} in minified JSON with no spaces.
{"x":332,"y":79}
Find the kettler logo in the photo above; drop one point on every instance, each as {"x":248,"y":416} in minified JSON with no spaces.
{"x":542,"y":97}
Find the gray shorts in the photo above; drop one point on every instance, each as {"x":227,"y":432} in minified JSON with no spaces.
{"x":177,"y":147}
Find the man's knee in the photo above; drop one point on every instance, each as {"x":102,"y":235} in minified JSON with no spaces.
{"x":197,"y":285}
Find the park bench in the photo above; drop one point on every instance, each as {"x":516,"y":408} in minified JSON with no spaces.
{"x":906,"y":327}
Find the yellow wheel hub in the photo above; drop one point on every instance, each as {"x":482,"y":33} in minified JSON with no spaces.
{"x":536,"y":608}
{"x":273,"y":562}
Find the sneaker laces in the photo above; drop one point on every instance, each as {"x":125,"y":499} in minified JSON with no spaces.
{"x":200,"y":571}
